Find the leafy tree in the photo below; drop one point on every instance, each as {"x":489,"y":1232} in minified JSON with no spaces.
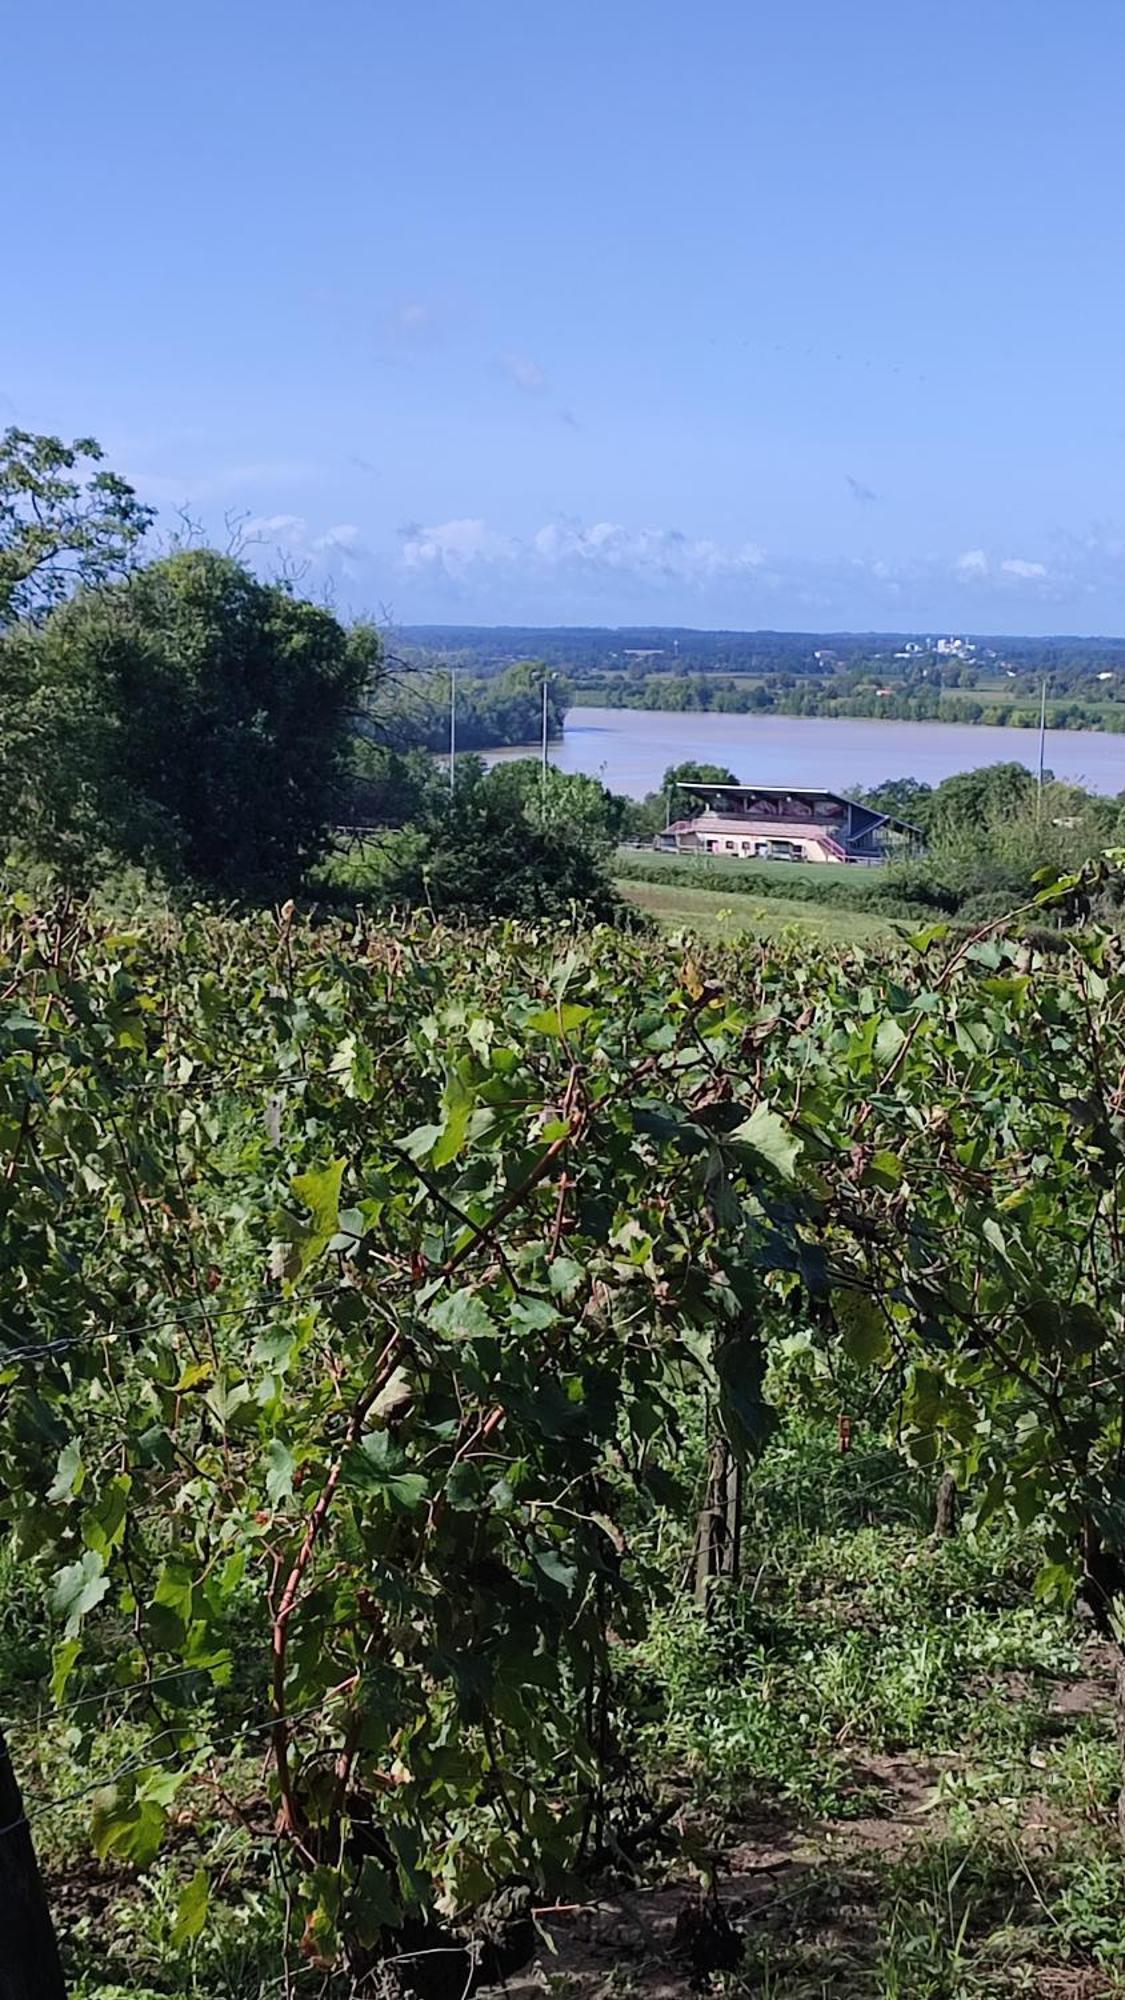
{"x":481,"y":860}
{"x":962,"y":806}
{"x":64,"y":521}
{"x":903,"y":798}
{"x":192,"y":719}
{"x":555,"y":798}
{"x":650,"y":815}
{"x":690,"y":773}
{"x":391,"y":788}
{"x":507,"y":708}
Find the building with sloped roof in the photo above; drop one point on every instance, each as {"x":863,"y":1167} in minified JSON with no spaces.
{"x":786,"y":823}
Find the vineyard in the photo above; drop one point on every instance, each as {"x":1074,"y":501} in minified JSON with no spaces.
{"x":473,"y":1408}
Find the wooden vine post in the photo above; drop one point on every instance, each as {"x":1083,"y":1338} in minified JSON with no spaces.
{"x":30,"y":1968}
{"x":718,"y":1535}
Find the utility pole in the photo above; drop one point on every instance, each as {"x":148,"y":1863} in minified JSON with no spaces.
{"x":1042,"y":748}
{"x":452,"y":729}
{"x":544,"y":763}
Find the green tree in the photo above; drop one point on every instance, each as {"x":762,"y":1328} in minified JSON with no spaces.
{"x":392,"y":788}
{"x":964,"y":805}
{"x":648,"y":816}
{"x":483,"y":860}
{"x":555,"y":798}
{"x":192,"y":719}
{"x":64,"y":521}
{"x":903,"y":798}
{"x":506,"y":708}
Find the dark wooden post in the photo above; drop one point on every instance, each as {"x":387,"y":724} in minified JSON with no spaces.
{"x":718,"y":1537}
{"x":945,"y":1511}
{"x":30,"y":1968}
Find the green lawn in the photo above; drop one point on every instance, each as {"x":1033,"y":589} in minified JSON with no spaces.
{"x":717,"y":915}
{"x":721,"y":864}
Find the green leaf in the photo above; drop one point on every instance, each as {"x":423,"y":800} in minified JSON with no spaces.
{"x":375,"y":1465}
{"x":103,"y":1524}
{"x":131,"y":1829}
{"x":274,"y":1349}
{"x":191,"y":1909}
{"x":994,"y":1237}
{"x":863,"y":1331}
{"x":394,"y":1397}
{"x":77,"y":1589}
{"x":419,"y":1144}
{"x":889,"y":1040}
{"x":564,"y":1276}
{"x":458,"y":1113}
{"x":280,"y":1467}
{"x":461,"y":1315}
{"x":933,"y":934}
{"x":64,"y":1658}
{"x":748,"y":1420}
{"x":1054,"y":1584}
{"x":769,"y":1136}
{"x":319,"y":1193}
{"x":173,"y":1603}
{"x":560,"y":1576}
{"x":560,"y":1020}
{"x":533,"y":1315}
{"x":195,"y":1373}
{"x":69,"y":1473}
{"x":374,"y":1908}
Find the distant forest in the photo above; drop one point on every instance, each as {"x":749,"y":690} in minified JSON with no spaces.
{"x":592,"y":649}
{"x":920,"y":677}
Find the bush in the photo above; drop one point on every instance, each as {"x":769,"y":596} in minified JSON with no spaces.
{"x":480,"y":861}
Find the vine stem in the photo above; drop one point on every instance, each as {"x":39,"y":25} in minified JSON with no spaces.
{"x":290,"y":1817}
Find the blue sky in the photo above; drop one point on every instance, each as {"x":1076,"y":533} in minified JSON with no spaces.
{"x":749,"y":312}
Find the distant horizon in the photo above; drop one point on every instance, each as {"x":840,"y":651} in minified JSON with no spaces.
{"x":564,"y":627}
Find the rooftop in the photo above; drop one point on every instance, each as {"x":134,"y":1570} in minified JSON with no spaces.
{"x":712,"y":793}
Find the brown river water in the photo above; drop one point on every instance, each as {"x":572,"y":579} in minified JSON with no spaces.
{"x":630,"y":749}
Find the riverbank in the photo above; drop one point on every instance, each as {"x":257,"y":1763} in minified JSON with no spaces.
{"x":1007,"y":705}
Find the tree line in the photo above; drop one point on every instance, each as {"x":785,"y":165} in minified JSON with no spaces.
{"x":884,"y":698}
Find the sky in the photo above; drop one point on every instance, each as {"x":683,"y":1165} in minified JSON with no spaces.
{"x":748,"y":313}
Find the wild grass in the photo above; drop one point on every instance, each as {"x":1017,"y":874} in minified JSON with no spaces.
{"x":720,"y":915}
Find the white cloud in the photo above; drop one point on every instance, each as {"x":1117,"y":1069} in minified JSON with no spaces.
{"x":289,"y":535}
{"x":974,"y":563}
{"x":344,"y":537}
{"x":452,"y":547}
{"x":975,"y":566}
{"x":274,"y":527}
{"x":525,"y":373}
{"x":660,"y":555}
{"x":1028,"y":571}
{"x":412,"y":316}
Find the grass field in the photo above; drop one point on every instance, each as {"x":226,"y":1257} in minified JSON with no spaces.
{"x":714,"y":914}
{"x":723,"y":865}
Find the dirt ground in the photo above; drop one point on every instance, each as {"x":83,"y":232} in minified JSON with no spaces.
{"x":812,"y":1892}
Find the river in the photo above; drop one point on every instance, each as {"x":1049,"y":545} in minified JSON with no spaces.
{"x":630,"y":749}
